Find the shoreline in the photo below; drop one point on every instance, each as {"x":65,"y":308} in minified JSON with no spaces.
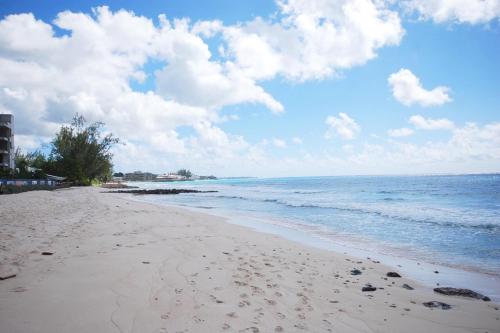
{"x":417,"y":269}
{"x":123,"y":265}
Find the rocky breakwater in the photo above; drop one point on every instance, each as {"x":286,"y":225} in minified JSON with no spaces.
{"x":160,"y":191}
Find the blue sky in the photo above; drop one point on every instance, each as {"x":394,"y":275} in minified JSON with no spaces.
{"x":281,"y":92}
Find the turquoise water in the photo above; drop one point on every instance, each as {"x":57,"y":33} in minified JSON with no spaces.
{"x":451,"y":220}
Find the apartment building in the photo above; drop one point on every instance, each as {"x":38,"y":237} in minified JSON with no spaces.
{"x":6,"y":141}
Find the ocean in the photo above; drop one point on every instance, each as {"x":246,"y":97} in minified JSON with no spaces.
{"x":447,"y":220}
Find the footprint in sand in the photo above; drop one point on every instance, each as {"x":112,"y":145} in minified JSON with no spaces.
{"x":280,"y":315}
{"x":256,"y":290}
{"x":232,"y":315}
{"x":270,"y":301}
{"x":301,"y":326}
{"x":215,"y":299}
{"x":240,"y":283}
{"x":243,"y":303}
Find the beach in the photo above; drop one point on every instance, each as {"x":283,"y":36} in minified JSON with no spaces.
{"x":89,"y":261}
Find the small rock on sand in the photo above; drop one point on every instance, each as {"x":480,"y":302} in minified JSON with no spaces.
{"x":436,"y":304}
{"x":461,"y":292}
{"x":47,"y":253}
{"x":407,"y":286}
{"x":368,"y":287}
{"x":356,"y":272}
{"x":393,"y":274}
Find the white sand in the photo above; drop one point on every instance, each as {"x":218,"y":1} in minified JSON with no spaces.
{"x":124,"y":266}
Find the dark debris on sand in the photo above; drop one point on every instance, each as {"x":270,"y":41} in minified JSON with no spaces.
{"x":368,"y":287}
{"x":436,"y":304}
{"x":461,"y":292}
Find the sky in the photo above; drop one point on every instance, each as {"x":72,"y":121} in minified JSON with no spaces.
{"x":260,"y":87}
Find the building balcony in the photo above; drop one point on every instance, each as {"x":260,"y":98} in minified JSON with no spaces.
{"x":3,"y":151}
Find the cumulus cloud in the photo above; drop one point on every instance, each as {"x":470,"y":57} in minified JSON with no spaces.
{"x":408,"y":90}
{"x":313,"y":39}
{"x":470,"y":11}
{"x":89,"y":64}
{"x":279,"y":143}
{"x":46,"y":78}
{"x":400,"y":132}
{"x":470,"y":148}
{"x":192,"y":77}
{"x":431,"y":124}
{"x":343,"y":126}
{"x":297,"y":140}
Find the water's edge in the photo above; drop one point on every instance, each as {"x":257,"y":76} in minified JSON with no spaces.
{"x":421,"y":271}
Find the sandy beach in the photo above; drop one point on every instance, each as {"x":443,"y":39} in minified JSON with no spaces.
{"x":112,"y":264}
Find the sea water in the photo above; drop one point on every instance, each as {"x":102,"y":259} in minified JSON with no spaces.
{"x":447,"y":220}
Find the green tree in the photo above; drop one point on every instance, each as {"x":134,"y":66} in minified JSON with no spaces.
{"x":30,"y":165}
{"x":82,"y":153}
{"x":185,"y":173}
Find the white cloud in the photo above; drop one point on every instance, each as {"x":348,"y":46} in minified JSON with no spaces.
{"x":471,"y":148}
{"x":343,"y":126}
{"x":431,"y":124}
{"x":313,"y":39}
{"x":408,"y":90}
{"x":30,"y":142}
{"x":297,"y":140}
{"x":459,"y":11}
{"x":88,"y":66}
{"x":45,"y":79}
{"x":279,"y":143}
{"x":400,"y":132}
{"x":191,"y":77}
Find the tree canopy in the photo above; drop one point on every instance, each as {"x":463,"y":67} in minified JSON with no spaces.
{"x":81,"y":152}
{"x":30,"y":165}
{"x":185,"y":173}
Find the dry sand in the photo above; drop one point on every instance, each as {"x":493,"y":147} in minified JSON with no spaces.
{"x":123,"y":266}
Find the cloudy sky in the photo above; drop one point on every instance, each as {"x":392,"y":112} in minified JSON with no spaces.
{"x":262,"y":87}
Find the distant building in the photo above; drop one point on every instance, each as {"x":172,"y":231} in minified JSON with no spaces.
{"x":6,"y":141}
{"x":170,"y":177}
{"x":139,"y":176}
{"x":175,"y":177}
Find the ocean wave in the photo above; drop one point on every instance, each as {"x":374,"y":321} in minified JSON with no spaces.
{"x":360,"y":210}
{"x":483,"y":226}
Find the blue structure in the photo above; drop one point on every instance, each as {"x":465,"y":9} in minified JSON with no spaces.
{"x":27,"y":182}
